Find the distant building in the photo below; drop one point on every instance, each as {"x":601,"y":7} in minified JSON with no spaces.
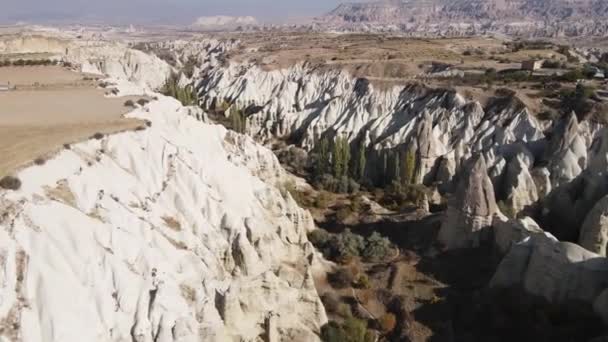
{"x":532,"y":65}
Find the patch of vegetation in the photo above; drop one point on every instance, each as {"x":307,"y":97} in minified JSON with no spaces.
{"x":351,"y":330}
{"x":341,"y":278}
{"x":506,"y":210}
{"x":387,"y":322}
{"x":186,"y":94}
{"x":97,"y":136}
{"x":332,"y":167}
{"x":129,"y":103}
{"x":27,"y":62}
{"x":399,"y":196}
{"x":10,"y":183}
{"x":377,"y":248}
{"x":345,"y":246}
{"x":289,"y":187}
{"x":237,"y":120}
{"x":577,"y":100}
{"x":322,"y":200}
{"x":143,"y":102}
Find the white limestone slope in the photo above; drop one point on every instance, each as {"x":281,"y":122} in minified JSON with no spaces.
{"x":175,"y":233}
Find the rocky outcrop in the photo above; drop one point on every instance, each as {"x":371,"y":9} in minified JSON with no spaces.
{"x":470,"y":213}
{"x":594,"y":231}
{"x":519,"y":186}
{"x":471,"y":17}
{"x":174,"y":233}
{"x":510,"y":232}
{"x":426,"y":156}
{"x":302,"y":104}
{"x":560,"y":273}
{"x":567,"y":206}
{"x":567,"y":151}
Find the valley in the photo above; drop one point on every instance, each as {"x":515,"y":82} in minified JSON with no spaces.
{"x":302,"y":186}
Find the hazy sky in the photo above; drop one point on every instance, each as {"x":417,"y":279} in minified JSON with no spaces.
{"x":160,"y":11}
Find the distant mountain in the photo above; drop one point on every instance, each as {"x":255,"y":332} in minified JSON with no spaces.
{"x":551,"y":17}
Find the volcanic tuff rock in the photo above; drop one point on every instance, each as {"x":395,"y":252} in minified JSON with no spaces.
{"x":561,"y":273}
{"x":471,"y":211}
{"x":519,"y":185}
{"x":509,"y":232}
{"x":301,"y":104}
{"x":174,"y":233}
{"x":594,"y":231}
{"x":567,"y":151}
{"x":170,"y":234}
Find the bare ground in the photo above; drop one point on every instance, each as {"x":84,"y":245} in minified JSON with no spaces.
{"x":52,"y":106}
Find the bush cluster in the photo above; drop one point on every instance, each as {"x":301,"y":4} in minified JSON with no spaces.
{"x":398,"y":196}
{"x":347,"y":245}
{"x":351,"y":330}
{"x":27,"y":62}
{"x":10,"y":183}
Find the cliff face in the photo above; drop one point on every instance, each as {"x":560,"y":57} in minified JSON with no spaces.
{"x":94,"y":56}
{"x":546,"y":18}
{"x":305,"y":105}
{"x":174,"y":233}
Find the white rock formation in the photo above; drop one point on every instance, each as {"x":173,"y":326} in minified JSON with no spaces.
{"x":520,"y":187}
{"x":509,"y":232}
{"x":562,"y":273}
{"x":470,"y":213}
{"x":594,"y":231}
{"x":175,"y":233}
{"x":567,"y":151}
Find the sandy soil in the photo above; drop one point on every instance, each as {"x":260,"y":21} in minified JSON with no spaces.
{"x":61,"y":108}
{"x":26,"y":76}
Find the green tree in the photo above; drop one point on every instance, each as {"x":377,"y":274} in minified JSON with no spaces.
{"x":397,"y":167}
{"x":323,"y":156}
{"x":361,"y":162}
{"x":409,"y":166}
{"x":340,"y":157}
{"x":377,"y":248}
{"x":186,"y":95}
{"x":237,"y":120}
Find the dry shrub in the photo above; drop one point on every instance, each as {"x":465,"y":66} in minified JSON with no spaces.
{"x":172,"y":223}
{"x":97,"y":136}
{"x":344,"y":310}
{"x":362,"y":282}
{"x":340,"y":279}
{"x":331,"y":302}
{"x":10,"y":183}
{"x":365,"y":296}
{"x":387,"y":322}
{"x":39,"y":161}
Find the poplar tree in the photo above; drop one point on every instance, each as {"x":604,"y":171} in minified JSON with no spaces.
{"x":361,"y":162}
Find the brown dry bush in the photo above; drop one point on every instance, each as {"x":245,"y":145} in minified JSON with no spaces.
{"x":10,"y":183}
